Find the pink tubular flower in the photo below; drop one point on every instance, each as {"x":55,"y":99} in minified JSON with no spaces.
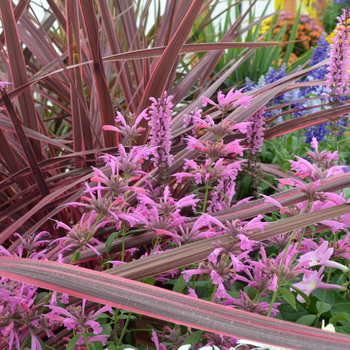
{"x":80,"y":236}
{"x":245,"y":303}
{"x":222,"y":129}
{"x":155,"y":340}
{"x":77,"y":319}
{"x":327,"y":159}
{"x":312,"y":281}
{"x":3,"y":83}
{"x":131,"y":132}
{"x":215,"y":150}
{"x":228,"y":101}
{"x":321,"y":257}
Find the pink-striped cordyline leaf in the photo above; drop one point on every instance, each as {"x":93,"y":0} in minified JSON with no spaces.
{"x":306,"y":121}
{"x":169,"y":306}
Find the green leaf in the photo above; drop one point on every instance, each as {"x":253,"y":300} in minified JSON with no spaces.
{"x":332,"y":297}
{"x":343,"y":329}
{"x":306,"y":320}
{"x":288,"y":296}
{"x":75,"y":256}
{"x":322,"y":307}
{"x":110,"y":240}
{"x":149,"y":280}
{"x":312,"y":228}
{"x":73,"y":341}
{"x":193,"y":338}
{"x":341,"y":308}
{"x":341,"y":316}
{"x":179,"y":285}
{"x":302,"y":294}
{"x":292,"y":37}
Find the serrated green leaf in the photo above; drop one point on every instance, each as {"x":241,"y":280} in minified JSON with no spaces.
{"x":343,"y":308}
{"x":332,"y":296}
{"x":343,"y":329}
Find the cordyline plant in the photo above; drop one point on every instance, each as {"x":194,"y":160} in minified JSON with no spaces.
{"x":93,"y":199}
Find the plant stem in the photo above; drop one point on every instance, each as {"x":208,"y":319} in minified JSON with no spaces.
{"x":126,"y":324}
{"x":274,"y":296}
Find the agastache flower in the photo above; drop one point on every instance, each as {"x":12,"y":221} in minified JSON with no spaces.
{"x":185,"y":235}
{"x":222,"y":129}
{"x":245,"y":303}
{"x":192,"y":119}
{"x":210,"y":171}
{"x":80,"y":236}
{"x":115,"y":183}
{"x":273,"y":272}
{"x":130,"y":132}
{"x":327,"y":159}
{"x":219,"y":273}
{"x":215,"y":150}
{"x":77,"y":319}
{"x":127,"y":163}
{"x":218,"y":341}
{"x":228,"y":101}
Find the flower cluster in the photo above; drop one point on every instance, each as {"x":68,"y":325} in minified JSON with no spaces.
{"x":308,"y":32}
{"x":127,"y":194}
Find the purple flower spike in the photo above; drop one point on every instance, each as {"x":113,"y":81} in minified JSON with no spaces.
{"x":255,"y":134}
{"x":339,"y":63}
{"x":160,"y":133}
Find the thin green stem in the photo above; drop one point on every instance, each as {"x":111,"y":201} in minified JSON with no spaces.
{"x":214,"y":291}
{"x":274,"y":296}
{"x":206,"y":194}
{"x":126,"y":324}
{"x":86,"y":341}
{"x":115,"y":329}
{"x":323,"y":298}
